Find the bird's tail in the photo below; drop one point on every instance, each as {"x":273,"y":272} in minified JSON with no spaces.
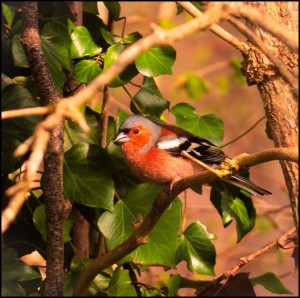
{"x":246,"y":184}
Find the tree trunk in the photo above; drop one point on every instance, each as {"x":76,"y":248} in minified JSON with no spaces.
{"x":280,"y":104}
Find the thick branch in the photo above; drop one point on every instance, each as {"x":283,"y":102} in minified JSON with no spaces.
{"x":53,"y":159}
{"x":161,"y":203}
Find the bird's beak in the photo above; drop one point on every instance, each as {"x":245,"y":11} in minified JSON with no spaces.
{"x":122,"y":138}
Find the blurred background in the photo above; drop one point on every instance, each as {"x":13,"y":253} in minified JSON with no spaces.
{"x":227,"y":95}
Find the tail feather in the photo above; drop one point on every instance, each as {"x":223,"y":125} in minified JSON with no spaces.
{"x":247,"y":185}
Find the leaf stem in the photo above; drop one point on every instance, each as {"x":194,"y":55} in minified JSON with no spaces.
{"x":244,"y":133}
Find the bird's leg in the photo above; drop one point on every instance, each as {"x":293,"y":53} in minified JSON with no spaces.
{"x":227,"y":167}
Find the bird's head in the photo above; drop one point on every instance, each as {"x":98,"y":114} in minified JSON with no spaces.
{"x":139,"y":132}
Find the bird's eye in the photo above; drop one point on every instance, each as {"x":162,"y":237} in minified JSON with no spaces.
{"x":136,"y":131}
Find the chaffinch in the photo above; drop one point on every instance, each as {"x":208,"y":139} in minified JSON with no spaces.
{"x":153,"y":153}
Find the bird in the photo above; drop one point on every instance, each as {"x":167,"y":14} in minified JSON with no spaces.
{"x":153,"y":152}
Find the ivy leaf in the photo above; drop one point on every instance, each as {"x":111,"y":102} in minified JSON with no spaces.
{"x":156,"y":61}
{"x":149,"y":99}
{"x":39,"y":220}
{"x":114,"y":8}
{"x":9,"y":13}
{"x":209,"y":127}
{"x":16,"y":130}
{"x":86,"y":70}
{"x":195,"y":247}
{"x":138,"y":202}
{"x":195,"y":85}
{"x":87,"y":176}
{"x":120,"y":284}
{"x":270,"y":282}
{"x":233,"y":203}
{"x":14,"y":271}
{"x":173,"y":285}
{"x":82,"y":44}
{"x":112,"y":54}
{"x":55,"y":45}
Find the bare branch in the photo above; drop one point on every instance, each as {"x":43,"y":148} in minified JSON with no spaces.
{"x":160,"y":205}
{"x":256,"y":17}
{"x":25,"y":112}
{"x":225,"y":35}
{"x":245,"y":260}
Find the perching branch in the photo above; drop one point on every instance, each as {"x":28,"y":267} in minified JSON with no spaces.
{"x":163,"y":200}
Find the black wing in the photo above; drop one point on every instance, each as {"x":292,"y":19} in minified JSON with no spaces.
{"x":199,"y":148}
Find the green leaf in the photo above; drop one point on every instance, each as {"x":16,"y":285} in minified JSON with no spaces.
{"x":156,"y":61}
{"x":74,"y":134}
{"x":195,"y":247}
{"x":129,"y":209}
{"x":209,"y":127}
{"x":16,"y":130}
{"x":114,"y":8}
{"x":120,"y":284}
{"x":86,"y":70}
{"x":78,"y":266}
{"x":87,"y":176}
{"x":195,"y":85}
{"x":82,"y":44}
{"x":55,"y":46}
{"x":270,"y":282}
{"x":157,"y":251}
{"x":240,"y":208}
{"x":109,"y":37}
{"x":112,"y":54}
{"x":173,"y":285}
{"x":14,"y":271}
{"x":236,"y":66}
{"x":39,"y":220}
{"x":9,"y":13}
{"x":149,"y":99}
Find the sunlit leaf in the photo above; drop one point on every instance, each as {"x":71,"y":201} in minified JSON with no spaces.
{"x":209,"y":127}
{"x":156,"y":61}
{"x":86,"y":70}
{"x":112,"y":54}
{"x":195,"y":247}
{"x":82,"y":44}
{"x":120,"y":284}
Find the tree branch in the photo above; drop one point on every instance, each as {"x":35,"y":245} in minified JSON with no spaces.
{"x":53,"y":157}
{"x":193,"y":11}
{"x":163,"y":200}
{"x":285,"y":238}
{"x":282,"y":69}
{"x":256,"y":17}
{"x":25,"y":112}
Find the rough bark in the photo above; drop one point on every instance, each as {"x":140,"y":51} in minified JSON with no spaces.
{"x":53,"y":160}
{"x":280,"y":104}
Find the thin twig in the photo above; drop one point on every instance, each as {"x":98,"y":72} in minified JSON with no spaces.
{"x":244,"y":133}
{"x":26,"y":112}
{"x":225,"y":35}
{"x":245,"y":260}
